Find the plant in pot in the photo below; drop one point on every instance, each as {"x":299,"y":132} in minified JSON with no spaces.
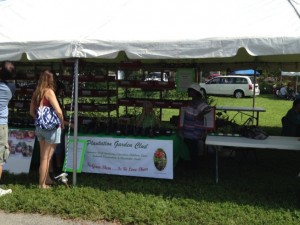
{"x":225,"y":125}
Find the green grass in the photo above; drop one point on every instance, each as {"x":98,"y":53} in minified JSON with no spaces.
{"x":262,"y":191}
{"x":269,"y":120}
{"x":275,"y":108}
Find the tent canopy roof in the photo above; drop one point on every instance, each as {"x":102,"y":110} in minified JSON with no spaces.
{"x":248,"y":72}
{"x":293,"y":74}
{"x":241,"y":33}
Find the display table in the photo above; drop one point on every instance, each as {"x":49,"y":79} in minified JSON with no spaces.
{"x":128,"y":155}
{"x":272,"y":142}
{"x":242,"y":110}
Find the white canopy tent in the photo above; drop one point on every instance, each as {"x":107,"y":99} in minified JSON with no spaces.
{"x":264,"y":33}
{"x":212,"y":34}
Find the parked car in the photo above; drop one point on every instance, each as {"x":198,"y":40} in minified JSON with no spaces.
{"x":211,"y":76}
{"x":156,"y":76}
{"x":237,"y":86}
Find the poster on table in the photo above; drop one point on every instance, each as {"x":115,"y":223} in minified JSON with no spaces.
{"x":184,"y":78}
{"x":21,"y":144}
{"x":130,"y":157}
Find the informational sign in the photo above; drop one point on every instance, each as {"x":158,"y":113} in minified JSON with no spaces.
{"x":184,"y":78}
{"x":128,"y":156}
{"x":209,"y":119}
{"x":21,"y":144}
{"x":69,"y":160}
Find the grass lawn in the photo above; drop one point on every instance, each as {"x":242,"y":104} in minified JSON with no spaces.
{"x":262,"y":191}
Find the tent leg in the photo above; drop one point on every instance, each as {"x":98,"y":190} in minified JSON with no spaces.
{"x":75,"y":122}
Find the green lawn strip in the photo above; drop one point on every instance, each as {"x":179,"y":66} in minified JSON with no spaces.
{"x":253,"y":190}
{"x":247,"y":194}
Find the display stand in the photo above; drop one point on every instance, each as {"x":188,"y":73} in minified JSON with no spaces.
{"x":138,"y":86}
{"x":21,"y":143}
{"x":96,"y":94}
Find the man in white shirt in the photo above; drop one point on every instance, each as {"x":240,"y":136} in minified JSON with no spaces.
{"x":6,"y":91}
{"x":283,"y":92}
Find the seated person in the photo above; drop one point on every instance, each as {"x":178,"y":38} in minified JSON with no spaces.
{"x":147,"y":119}
{"x":291,"y":121}
{"x":291,"y":93}
{"x":283,"y":92}
{"x":287,"y":92}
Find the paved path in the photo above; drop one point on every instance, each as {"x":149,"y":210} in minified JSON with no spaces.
{"x":37,"y":219}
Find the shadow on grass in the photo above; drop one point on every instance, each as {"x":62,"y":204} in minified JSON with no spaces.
{"x":268,"y":181}
{"x":271,"y":183}
{"x":272,"y":97}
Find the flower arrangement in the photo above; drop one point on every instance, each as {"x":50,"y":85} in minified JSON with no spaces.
{"x":160,"y":159}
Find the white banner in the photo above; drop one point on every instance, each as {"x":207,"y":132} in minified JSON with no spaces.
{"x":127,"y":156}
{"x":21,"y":143}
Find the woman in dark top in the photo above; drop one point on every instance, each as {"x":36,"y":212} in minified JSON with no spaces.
{"x":291,"y":121}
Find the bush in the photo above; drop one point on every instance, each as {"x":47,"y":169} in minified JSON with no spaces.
{"x":266,"y":87}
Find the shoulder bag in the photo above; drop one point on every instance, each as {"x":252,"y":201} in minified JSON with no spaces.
{"x":46,"y":118}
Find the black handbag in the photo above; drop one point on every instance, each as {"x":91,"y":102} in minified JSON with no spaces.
{"x":253,"y":132}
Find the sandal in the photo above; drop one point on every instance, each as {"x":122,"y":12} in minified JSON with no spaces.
{"x":44,"y":187}
{"x":50,"y":182}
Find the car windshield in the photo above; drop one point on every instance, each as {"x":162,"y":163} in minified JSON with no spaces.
{"x":156,"y":76}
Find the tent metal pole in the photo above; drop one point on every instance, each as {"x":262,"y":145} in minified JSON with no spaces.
{"x":296,"y":89}
{"x":75,"y":122}
{"x":253,"y":102}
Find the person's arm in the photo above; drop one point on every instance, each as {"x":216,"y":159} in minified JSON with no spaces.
{"x":51,"y":97}
{"x":69,"y":124}
{"x":140,"y":120}
{"x":158,"y":122}
{"x":204,"y":111}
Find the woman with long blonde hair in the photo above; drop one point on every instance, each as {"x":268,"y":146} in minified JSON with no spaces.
{"x":44,"y":95}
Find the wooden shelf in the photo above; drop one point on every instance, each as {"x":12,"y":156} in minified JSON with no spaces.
{"x":153,"y":85}
{"x":24,"y":91}
{"x":19,"y":104}
{"x":93,"y":93}
{"x":100,"y":78}
{"x":157,"y":103}
{"x":89,"y":107}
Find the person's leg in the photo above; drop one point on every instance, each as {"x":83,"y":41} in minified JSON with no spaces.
{"x":55,"y":163}
{"x":59,"y":162}
{"x":3,"y":146}
{"x":2,"y":191}
{"x":46,"y":152}
{"x":193,"y":149}
{"x":4,"y":153}
{"x":60,"y":156}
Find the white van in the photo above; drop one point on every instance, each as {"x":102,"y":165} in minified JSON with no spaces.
{"x":237,"y":86}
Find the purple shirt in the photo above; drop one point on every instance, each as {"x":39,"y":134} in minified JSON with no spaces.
{"x":192,"y":124}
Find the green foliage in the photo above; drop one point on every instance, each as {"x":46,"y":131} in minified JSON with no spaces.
{"x":266,"y":87}
{"x":270,"y":120}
